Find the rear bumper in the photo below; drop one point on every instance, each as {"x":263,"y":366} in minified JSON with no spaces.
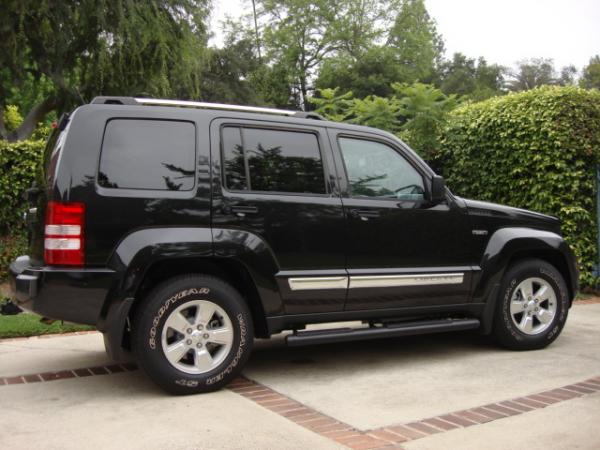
{"x":75,"y":295}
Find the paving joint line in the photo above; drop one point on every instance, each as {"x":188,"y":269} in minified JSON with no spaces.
{"x":391,"y":436}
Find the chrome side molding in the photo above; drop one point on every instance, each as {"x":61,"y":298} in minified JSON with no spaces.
{"x":374,"y":281}
{"x":310,"y":283}
{"x":380,"y":281}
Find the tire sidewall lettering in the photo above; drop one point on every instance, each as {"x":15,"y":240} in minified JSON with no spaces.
{"x":238,"y":320}
{"x":166,"y":306}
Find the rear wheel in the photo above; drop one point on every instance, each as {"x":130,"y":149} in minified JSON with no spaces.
{"x":192,"y":334}
{"x":532,"y":306}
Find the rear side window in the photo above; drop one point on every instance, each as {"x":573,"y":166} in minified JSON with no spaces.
{"x":148,"y":154}
{"x":263,"y":160}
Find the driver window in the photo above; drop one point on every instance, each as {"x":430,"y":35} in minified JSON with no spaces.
{"x":377,"y":170}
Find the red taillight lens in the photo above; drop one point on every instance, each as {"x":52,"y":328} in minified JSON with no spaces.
{"x":63,"y":234}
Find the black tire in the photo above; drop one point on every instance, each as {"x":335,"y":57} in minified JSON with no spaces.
{"x":505,"y":331}
{"x":148,"y":324}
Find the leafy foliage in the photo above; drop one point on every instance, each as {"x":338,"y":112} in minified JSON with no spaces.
{"x":416,"y":112}
{"x":11,"y":246}
{"x":19,"y":163}
{"x":371,"y":74}
{"x":591,"y":74}
{"x":12,"y":117}
{"x":332,"y":105}
{"x":475,"y":79}
{"x":536,"y":72}
{"x":76,"y":50}
{"x":424,"y":109}
{"x":537,"y":150}
{"x":414,"y":37}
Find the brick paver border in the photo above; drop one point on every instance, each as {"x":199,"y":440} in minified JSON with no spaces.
{"x":587,"y":301}
{"x":392,"y":436}
{"x":48,"y":336}
{"x":71,"y":373}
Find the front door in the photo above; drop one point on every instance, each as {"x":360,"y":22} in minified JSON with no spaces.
{"x":402,"y":250}
{"x":277,"y":183}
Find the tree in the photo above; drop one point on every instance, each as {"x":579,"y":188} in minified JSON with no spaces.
{"x":416,"y":112}
{"x":300,"y":34}
{"x":532,"y":73}
{"x":465,"y":76}
{"x":591,"y":74}
{"x":567,"y":76}
{"x":332,"y":105}
{"x":419,"y":48}
{"x":229,"y":75}
{"x":362,"y":24}
{"x":371,"y":74}
{"x":424,"y":110}
{"x":76,"y":50}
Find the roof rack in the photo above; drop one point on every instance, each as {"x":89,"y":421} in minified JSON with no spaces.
{"x":204,"y":105}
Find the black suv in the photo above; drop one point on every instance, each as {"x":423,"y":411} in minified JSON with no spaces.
{"x":184,"y":230}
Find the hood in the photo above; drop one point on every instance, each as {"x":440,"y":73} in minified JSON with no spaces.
{"x":511,"y":216}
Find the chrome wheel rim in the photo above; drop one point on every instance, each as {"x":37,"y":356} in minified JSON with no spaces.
{"x":533,"y":306}
{"x":197,"y":336}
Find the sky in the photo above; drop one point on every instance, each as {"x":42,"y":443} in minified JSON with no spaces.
{"x":502,"y":31}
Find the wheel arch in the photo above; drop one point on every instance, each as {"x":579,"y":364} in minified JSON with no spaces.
{"x":149,"y":256}
{"x":228,"y":270}
{"x":508,"y":246}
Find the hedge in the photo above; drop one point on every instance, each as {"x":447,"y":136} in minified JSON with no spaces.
{"x":537,"y":150}
{"x":19,"y":163}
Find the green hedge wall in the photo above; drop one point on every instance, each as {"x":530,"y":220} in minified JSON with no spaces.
{"x":19,"y":163}
{"x":536,"y":150}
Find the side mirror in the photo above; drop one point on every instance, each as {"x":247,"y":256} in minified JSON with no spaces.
{"x":438,"y":189}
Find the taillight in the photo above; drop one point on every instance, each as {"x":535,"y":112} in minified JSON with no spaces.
{"x":63,"y":234}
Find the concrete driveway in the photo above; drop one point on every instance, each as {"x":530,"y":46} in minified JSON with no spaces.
{"x":427,"y":392}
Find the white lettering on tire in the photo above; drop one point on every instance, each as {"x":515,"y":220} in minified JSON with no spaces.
{"x":165,"y":307}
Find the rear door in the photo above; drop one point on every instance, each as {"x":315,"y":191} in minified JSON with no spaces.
{"x":277,"y":182}
{"x":402,"y":251}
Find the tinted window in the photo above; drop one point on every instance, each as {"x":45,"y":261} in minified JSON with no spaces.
{"x":148,"y":154}
{"x":233,"y":155}
{"x":377,"y":170}
{"x":272,"y":160}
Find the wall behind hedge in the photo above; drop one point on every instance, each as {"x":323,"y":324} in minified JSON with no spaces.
{"x":19,"y":163}
{"x":536,"y":150}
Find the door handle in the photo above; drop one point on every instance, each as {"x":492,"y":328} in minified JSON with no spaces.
{"x":242,"y":210}
{"x":364,"y":214}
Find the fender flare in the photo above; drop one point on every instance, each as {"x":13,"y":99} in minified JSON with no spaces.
{"x":502,"y":246}
{"x":139,"y":250}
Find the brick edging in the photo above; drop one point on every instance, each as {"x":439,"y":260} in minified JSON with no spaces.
{"x":65,"y":374}
{"x":391,"y":436}
{"x":48,"y":336}
{"x":587,"y":301}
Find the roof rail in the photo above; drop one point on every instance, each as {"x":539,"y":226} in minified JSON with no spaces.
{"x":205,"y":105}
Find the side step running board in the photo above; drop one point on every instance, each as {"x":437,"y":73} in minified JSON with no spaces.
{"x":389,"y":330}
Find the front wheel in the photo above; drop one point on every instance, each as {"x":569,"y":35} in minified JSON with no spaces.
{"x":532,"y":306}
{"x":192,"y":334}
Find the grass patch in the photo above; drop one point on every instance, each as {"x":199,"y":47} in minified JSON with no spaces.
{"x":26,"y":324}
